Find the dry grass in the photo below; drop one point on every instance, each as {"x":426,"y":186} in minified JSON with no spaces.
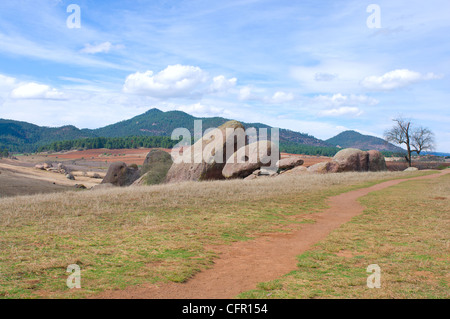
{"x":405,"y":230}
{"x":127,"y":236}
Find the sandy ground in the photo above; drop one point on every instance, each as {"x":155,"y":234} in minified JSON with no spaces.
{"x":21,"y":178}
{"x":244,"y":264}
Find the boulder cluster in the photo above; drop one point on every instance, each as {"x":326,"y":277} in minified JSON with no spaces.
{"x":225,"y":153}
{"x":351,"y":160}
{"x":60,"y":168}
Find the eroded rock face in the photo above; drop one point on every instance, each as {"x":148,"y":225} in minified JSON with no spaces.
{"x":119,"y":174}
{"x":246,"y":160}
{"x":352,"y":160}
{"x":155,"y":168}
{"x":206,"y":159}
{"x":376,"y":161}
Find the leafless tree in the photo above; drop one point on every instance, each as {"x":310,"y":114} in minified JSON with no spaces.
{"x":415,"y":139}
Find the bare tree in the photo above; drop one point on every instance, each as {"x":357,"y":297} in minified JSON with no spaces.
{"x":415,"y":139}
{"x":422,"y":139}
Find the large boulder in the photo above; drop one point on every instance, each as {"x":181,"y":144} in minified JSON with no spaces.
{"x":207,"y":157}
{"x":119,"y":174}
{"x":154,"y":170}
{"x":290,"y":162}
{"x":246,"y":160}
{"x":352,"y":160}
{"x":376,"y":161}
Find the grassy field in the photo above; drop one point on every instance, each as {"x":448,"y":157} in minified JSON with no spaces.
{"x":127,"y":236}
{"x":405,"y":230}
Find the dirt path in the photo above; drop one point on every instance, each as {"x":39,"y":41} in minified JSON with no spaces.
{"x":244,"y":264}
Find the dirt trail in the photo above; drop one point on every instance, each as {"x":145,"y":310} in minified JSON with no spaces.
{"x":244,"y":264}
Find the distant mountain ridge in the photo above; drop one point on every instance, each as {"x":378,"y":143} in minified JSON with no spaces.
{"x":20,"y":136}
{"x":354,"y":139}
{"x":25,"y":137}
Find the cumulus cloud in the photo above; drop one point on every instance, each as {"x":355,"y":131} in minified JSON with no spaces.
{"x":396,"y":79}
{"x":176,"y":81}
{"x":344,"y":110}
{"x":104,"y":47}
{"x":34,"y":90}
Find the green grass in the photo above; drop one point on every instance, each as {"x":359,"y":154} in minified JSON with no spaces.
{"x":404,"y":230}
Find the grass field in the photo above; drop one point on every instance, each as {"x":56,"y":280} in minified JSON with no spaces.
{"x":405,"y":230}
{"x":127,"y":236}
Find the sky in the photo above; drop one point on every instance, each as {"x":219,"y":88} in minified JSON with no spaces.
{"x":317,"y":67}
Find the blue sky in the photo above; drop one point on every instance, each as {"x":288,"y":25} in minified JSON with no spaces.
{"x":310,"y":66}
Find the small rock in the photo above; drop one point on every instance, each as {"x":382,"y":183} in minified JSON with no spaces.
{"x":411,"y":169}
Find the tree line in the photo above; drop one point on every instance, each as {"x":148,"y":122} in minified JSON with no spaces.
{"x":110,"y":143}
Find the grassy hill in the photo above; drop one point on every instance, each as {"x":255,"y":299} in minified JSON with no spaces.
{"x":364,"y":142}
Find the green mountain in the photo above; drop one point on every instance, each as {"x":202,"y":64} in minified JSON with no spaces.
{"x":158,"y":123}
{"x":364,"y":142}
{"x":25,"y":137}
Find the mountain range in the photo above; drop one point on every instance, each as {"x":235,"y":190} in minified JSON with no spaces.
{"x":365,"y":142}
{"x":26,"y":137}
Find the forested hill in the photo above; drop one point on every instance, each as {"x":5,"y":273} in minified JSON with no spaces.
{"x":158,"y":123}
{"x":363,"y":142}
{"x":25,"y":137}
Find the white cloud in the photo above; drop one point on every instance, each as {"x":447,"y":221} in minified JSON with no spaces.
{"x":344,"y":110}
{"x":7,"y":81}
{"x":250,"y":93}
{"x":222,"y":84}
{"x":201,"y":110}
{"x":282,"y":97}
{"x":34,"y":90}
{"x":176,"y":81}
{"x":345,"y":100}
{"x":332,"y":75}
{"x":245,"y":93}
{"x":104,"y":47}
{"x":396,"y":79}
